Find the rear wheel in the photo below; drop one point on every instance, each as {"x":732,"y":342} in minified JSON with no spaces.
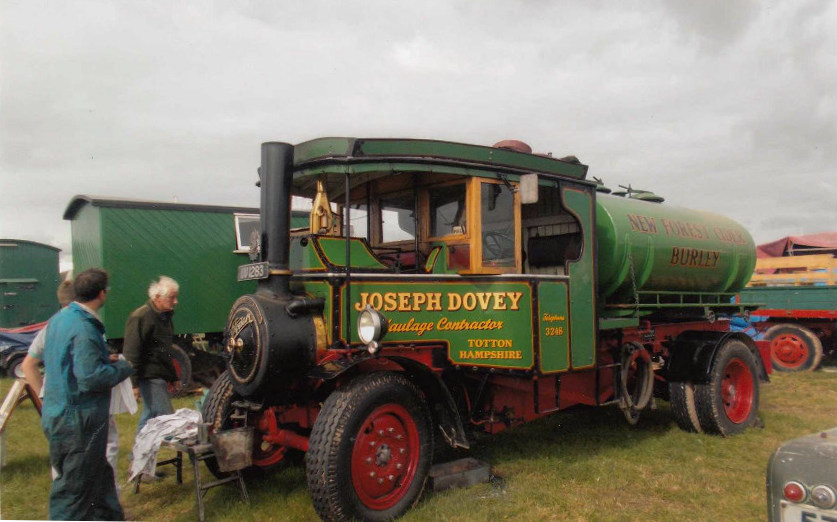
{"x":370,"y":449}
{"x":682,"y":397}
{"x":793,"y":348}
{"x":217,"y":410}
{"x":728,"y":403}
{"x":183,"y":368}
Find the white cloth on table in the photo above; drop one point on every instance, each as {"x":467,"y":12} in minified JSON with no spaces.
{"x":181,"y":424}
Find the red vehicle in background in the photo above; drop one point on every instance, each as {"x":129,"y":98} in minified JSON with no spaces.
{"x":795,"y":282}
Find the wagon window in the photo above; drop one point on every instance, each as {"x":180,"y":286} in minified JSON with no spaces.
{"x":397,"y":217}
{"x":497,"y":202}
{"x":245,"y":226}
{"x":447,"y":210}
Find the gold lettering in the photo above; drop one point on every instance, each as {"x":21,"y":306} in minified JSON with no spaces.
{"x":469,"y":302}
{"x":362,"y":304}
{"x":514,"y":297}
{"x":434,"y":302}
{"x":390,"y":303}
{"x":484,"y":299}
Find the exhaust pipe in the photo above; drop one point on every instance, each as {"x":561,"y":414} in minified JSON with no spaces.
{"x":275,"y":224}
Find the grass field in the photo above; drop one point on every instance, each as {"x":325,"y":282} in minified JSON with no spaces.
{"x":584,"y":464}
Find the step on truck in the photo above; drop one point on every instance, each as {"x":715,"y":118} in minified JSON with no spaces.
{"x":445,"y":289}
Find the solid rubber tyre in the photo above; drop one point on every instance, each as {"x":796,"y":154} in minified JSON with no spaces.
{"x":216,"y":410}
{"x":183,"y":368}
{"x":728,"y":403}
{"x":793,"y":348}
{"x":682,"y":402}
{"x":370,"y":450}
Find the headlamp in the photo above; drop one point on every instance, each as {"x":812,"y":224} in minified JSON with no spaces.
{"x":371,"y":327}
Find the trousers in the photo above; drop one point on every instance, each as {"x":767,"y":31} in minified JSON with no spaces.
{"x":84,"y":488}
{"x":155,"y":400}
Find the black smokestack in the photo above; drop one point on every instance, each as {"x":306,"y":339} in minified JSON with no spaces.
{"x":277,"y":175}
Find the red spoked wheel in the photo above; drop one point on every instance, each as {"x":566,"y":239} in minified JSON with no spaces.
{"x":385,"y":457}
{"x":370,"y":449}
{"x":217,"y":410}
{"x":728,"y":403}
{"x":737,"y":391}
{"x":793,"y":348}
{"x":182,"y":368}
{"x":266,"y":454}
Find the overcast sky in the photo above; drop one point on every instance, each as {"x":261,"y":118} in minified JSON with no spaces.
{"x":726,"y":106}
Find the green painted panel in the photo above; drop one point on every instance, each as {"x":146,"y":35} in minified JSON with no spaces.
{"x":483,"y":323}
{"x":553,"y":326}
{"x":28,"y":281}
{"x":334,"y":250}
{"x":303,"y":255}
{"x":792,"y":298}
{"x":582,"y":280}
{"x":195,"y":248}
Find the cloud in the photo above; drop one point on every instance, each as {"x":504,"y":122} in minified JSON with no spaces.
{"x":727,"y":107}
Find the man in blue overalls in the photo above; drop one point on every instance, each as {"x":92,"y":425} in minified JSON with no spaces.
{"x":79,"y":375}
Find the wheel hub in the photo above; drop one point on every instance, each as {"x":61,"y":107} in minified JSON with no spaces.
{"x":737,"y":389}
{"x":790,"y":350}
{"x":385,"y":456}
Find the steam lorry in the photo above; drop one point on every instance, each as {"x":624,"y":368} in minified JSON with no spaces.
{"x":445,"y":289}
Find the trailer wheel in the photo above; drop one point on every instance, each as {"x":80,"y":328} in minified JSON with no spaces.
{"x":370,"y":449}
{"x":183,"y":368}
{"x":793,"y":348}
{"x":728,"y":403}
{"x":217,"y":409}
{"x":15,"y":368}
{"x":682,"y":401}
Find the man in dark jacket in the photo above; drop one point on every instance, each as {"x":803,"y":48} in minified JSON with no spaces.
{"x":147,"y":346}
{"x":78,"y":381}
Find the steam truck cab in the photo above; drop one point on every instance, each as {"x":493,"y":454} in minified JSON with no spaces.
{"x":444,"y":288}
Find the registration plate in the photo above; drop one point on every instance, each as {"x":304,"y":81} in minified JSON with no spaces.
{"x":252,"y":271}
{"x":797,"y":513}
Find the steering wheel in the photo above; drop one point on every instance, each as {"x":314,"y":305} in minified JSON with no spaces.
{"x":492,"y":243}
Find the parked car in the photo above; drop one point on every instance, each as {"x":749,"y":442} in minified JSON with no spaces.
{"x":13,"y":348}
{"x":802,"y":479}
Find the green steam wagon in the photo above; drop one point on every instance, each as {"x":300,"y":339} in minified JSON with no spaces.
{"x":28,"y":281}
{"x":444,"y":290}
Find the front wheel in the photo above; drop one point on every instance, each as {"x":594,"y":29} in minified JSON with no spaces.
{"x":793,"y":348}
{"x":728,"y":403}
{"x":217,"y":410}
{"x":370,"y":449}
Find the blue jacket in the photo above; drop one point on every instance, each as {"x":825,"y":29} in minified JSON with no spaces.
{"x":78,"y":373}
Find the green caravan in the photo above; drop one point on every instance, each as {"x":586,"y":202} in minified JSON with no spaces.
{"x":137,"y":241}
{"x":444,"y":289}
